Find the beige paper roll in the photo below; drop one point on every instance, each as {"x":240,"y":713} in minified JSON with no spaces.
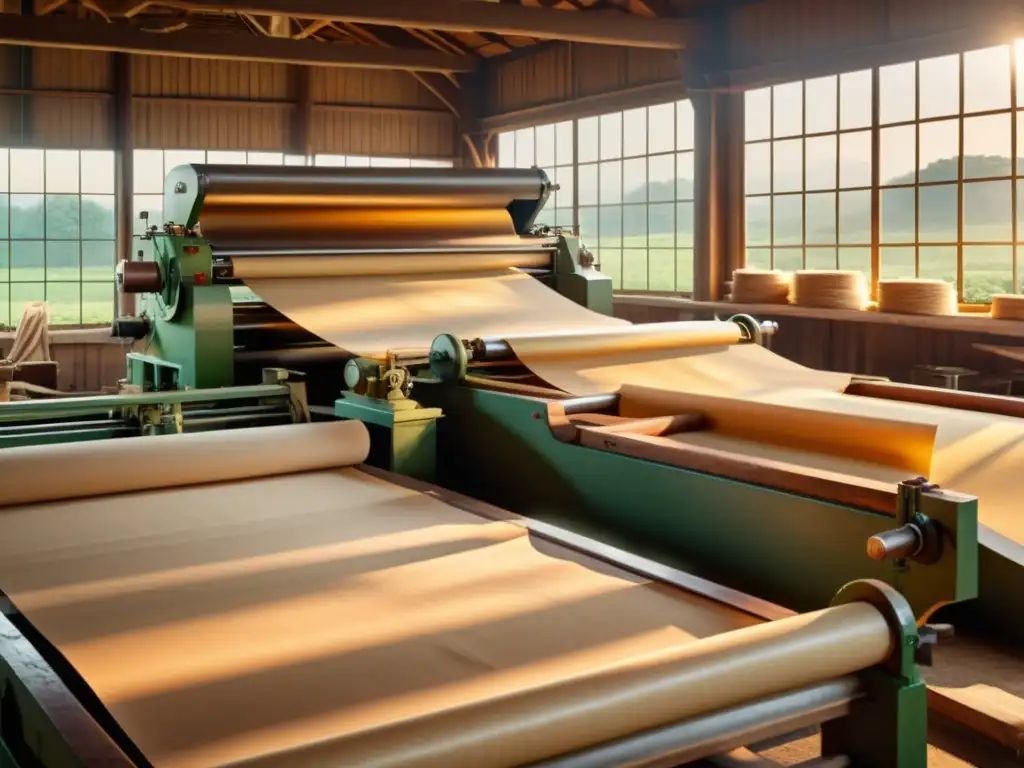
{"x":1008,"y":307}
{"x":752,"y":286}
{"x":620,"y":699}
{"x":831,"y":289}
{"x":917,"y":297}
{"x":898,"y":444}
{"x":618,"y":340}
{"x":79,"y":470}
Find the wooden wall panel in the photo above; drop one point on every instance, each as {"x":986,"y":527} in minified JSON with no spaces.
{"x":556,"y":73}
{"x":89,"y":367}
{"x":68,"y":70}
{"x":397,"y":134}
{"x":914,"y":18}
{"x":380,"y":88}
{"x":870,"y":349}
{"x":540,"y":77}
{"x":85,"y":366}
{"x":194,"y":125}
{"x":783,"y":40}
{"x":11,"y":123}
{"x":795,"y":28}
{"x":204,"y":78}
{"x":69,"y":122}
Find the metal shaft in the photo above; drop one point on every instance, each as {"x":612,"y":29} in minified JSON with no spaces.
{"x":899,"y":542}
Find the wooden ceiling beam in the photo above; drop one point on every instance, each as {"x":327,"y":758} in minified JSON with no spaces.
{"x":51,"y":32}
{"x":444,"y":89}
{"x":599,"y":27}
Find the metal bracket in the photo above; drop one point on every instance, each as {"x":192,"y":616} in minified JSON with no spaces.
{"x":928,"y":637}
{"x":916,"y":537}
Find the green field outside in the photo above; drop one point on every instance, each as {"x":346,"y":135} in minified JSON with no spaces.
{"x":70,"y":300}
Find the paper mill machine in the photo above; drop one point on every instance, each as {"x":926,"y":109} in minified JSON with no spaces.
{"x":229,"y":225}
{"x":232,"y":231}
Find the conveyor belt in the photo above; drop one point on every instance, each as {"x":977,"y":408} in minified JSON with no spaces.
{"x":321,"y":611}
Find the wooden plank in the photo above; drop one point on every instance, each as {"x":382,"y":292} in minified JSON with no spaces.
{"x":991,"y":711}
{"x":965,"y":321}
{"x":64,"y":33}
{"x":599,"y":27}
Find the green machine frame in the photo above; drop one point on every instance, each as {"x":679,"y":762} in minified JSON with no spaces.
{"x":785,"y":545}
{"x":188,"y":292}
{"x":158,"y":408}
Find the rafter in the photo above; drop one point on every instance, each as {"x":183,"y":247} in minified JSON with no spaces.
{"x":609,"y":28}
{"x":65,"y":33}
{"x":445,"y":89}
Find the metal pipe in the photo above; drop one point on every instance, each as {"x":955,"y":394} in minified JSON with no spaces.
{"x":590,"y":404}
{"x":69,"y":436}
{"x":220,"y":422}
{"x":251,"y":410}
{"x":59,"y":426}
{"x":84,"y":406}
{"x":721,"y":731}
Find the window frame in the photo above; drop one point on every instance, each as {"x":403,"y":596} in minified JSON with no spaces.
{"x":611,"y":251}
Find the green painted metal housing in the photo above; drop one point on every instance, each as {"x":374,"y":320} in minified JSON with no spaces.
{"x":793,"y":550}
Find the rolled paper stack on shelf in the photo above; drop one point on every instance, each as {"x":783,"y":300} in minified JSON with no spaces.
{"x":753,"y":286}
{"x":1008,"y":307}
{"x":917,"y":297}
{"x":830,"y":289}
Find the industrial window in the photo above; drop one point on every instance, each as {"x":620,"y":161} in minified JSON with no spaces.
{"x":57,"y":231}
{"x":626,"y":178}
{"x":912,"y":164}
{"x":808,"y":174}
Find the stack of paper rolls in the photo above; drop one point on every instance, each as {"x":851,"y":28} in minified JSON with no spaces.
{"x":917,"y":297}
{"x":753,"y":286}
{"x":831,"y":289}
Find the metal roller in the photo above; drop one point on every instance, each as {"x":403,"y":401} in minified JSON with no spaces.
{"x":271,"y":266}
{"x":294,"y":194}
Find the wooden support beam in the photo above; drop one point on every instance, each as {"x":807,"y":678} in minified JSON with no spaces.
{"x":302,"y":116}
{"x":446,"y":90}
{"x":124,"y":173}
{"x":599,"y":27}
{"x":61,"y":33}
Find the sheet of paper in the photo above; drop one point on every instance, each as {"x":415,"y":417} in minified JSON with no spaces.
{"x":235,"y":621}
{"x":370,"y":315}
{"x":905,"y":446}
{"x":974,"y":453}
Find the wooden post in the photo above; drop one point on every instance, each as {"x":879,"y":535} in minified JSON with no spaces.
{"x":302,"y":116}
{"x":719,"y":204}
{"x":124,"y":149}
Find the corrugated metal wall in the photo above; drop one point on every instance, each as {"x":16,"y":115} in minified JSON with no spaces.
{"x":64,"y":99}
{"x":563,"y":72}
